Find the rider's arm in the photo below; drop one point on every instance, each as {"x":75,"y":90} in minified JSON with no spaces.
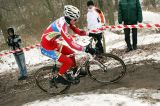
{"x":78,"y":31}
{"x":70,"y":42}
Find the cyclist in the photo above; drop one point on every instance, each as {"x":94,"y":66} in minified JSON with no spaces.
{"x":51,"y":48}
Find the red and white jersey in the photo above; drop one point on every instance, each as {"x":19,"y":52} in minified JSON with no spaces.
{"x":95,"y":18}
{"x":60,"y":28}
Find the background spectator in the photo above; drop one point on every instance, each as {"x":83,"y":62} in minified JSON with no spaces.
{"x":95,"y":19}
{"x":130,"y":13}
{"x":14,"y":41}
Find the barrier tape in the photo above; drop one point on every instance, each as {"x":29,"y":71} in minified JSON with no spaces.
{"x":140,"y":26}
{"x":23,"y":49}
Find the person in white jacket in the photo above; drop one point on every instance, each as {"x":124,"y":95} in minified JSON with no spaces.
{"x":95,"y":19}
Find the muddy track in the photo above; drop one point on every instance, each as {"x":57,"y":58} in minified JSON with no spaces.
{"x":13,"y":93}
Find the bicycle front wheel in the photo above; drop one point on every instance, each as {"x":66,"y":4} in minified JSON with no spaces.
{"x":43,"y":78}
{"x":106,"y":68}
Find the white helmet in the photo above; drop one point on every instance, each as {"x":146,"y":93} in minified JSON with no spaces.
{"x":71,"y":12}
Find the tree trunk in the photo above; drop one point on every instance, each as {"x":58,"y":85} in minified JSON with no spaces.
{"x":109,"y":4}
{"x":116,"y":5}
{"x":150,"y":2}
{"x":3,"y":27}
{"x":153,"y":2}
{"x":100,"y":3}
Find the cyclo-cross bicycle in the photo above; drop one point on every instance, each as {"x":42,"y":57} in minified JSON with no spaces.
{"x":104,"y":68}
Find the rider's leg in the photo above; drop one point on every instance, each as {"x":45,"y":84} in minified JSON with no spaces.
{"x":53,"y":54}
{"x":67,"y":63}
{"x":68,"y":51}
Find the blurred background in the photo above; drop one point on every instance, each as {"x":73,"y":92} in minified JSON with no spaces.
{"x":30,"y":17}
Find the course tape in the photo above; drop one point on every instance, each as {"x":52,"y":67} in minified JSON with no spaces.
{"x":23,"y":49}
{"x":140,"y":26}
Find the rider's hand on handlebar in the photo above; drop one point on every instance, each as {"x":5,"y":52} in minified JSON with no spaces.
{"x":90,"y":50}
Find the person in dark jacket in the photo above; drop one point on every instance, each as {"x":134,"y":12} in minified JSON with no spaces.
{"x":14,"y":41}
{"x":130,"y":13}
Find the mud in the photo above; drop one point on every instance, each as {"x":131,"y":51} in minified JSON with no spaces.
{"x":17,"y":93}
{"x":14,"y":93}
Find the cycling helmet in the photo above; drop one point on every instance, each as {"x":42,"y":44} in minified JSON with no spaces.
{"x":71,"y":12}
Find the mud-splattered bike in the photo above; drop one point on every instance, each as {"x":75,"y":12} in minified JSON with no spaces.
{"x":104,"y":68}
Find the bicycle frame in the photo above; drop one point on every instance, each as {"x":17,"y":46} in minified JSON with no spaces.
{"x":85,"y":59}
{"x":89,"y":62}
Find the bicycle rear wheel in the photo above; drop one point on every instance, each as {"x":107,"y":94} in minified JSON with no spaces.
{"x":106,"y":68}
{"x":43,"y":78}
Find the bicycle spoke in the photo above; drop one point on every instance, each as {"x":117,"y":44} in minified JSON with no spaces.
{"x":43,"y":79}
